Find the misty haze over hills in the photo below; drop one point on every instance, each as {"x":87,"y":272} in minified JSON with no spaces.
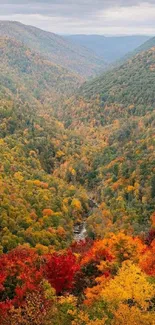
{"x":59,"y":50}
{"x":92,"y":51}
{"x":111,"y":48}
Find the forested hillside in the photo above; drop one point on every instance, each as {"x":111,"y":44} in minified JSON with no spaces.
{"x":53,"y":47}
{"x":36,"y":207}
{"x":33,"y":145}
{"x":31,"y":77}
{"x":116,"y":111}
{"x":110,"y":96}
{"x":68,"y":163}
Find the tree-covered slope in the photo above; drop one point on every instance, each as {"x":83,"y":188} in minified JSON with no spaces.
{"x":55,"y":48}
{"x":125,"y":91}
{"x":117,"y":113}
{"x":36,"y":206}
{"x":30,"y":76}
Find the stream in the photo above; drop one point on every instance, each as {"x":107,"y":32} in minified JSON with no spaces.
{"x":80,"y":231}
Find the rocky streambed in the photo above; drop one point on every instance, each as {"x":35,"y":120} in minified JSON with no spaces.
{"x":80,"y":231}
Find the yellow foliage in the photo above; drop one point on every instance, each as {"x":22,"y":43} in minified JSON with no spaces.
{"x":68,"y":300}
{"x":83,"y":319}
{"x":72,"y":171}
{"x":130,"y":284}
{"x":127,"y":316}
{"x":2,"y":142}
{"x":130,"y":188}
{"x":41,"y":249}
{"x":60,"y":154}
{"x":76,"y":204}
{"x":72,"y":188}
{"x":120,"y":198}
{"x":18,"y":176}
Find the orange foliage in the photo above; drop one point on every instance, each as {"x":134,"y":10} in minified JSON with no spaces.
{"x":147,"y":261}
{"x":47,"y":212}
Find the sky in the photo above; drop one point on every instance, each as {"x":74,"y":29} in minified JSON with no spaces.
{"x":108,"y":17}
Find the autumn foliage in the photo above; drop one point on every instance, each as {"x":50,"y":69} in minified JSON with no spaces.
{"x":20,"y":274}
{"x":66,"y":163}
{"x":112,"y":274}
{"x":60,"y":271}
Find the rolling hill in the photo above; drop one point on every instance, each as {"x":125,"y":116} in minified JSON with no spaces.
{"x":31,"y":77}
{"x":55,"y":48}
{"x":111,"y":48}
{"x":131,"y":84}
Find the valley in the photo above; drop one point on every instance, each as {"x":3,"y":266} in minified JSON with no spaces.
{"x":77,"y":182}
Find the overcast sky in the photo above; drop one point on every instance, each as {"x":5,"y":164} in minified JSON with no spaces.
{"x":109,"y":17}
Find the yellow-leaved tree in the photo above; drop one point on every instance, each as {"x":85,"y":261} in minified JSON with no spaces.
{"x":130,"y":286}
{"x":126,"y":315}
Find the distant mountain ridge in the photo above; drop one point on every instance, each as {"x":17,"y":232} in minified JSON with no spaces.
{"x":55,"y":48}
{"x":144,"y":47}
{"x":111,"y":48}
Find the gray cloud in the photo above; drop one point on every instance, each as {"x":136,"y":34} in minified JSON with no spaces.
{"x":83,"y":16}
{"x":64,"y":7}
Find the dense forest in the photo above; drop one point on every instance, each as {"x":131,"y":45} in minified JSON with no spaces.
{"x":30,"y":76}
{"x":55,"y":48}
{"x":116,"y":112}
{"x":75,"y":154}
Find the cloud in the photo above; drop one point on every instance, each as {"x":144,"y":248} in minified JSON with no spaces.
{"x":64,"y":7}
{"x":83,"y":16}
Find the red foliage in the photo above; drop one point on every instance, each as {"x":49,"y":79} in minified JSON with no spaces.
{"x":60,"y":271}
{"x":20,"y":273}
{"x":150,"y":236}
{"x":82,"y":247}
